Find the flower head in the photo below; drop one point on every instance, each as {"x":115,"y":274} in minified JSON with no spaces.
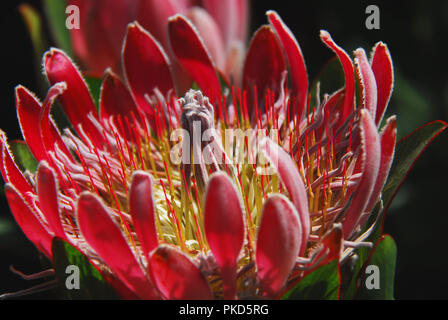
{"x":228,"y":192}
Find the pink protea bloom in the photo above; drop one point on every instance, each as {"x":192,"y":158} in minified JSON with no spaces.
{"x":247,"y":217}
{"x":221,"y":24}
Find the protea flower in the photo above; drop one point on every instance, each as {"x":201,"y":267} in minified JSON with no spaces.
{"x":163,"y":215}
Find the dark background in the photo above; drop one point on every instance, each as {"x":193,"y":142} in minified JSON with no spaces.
{"x":415,"y":32}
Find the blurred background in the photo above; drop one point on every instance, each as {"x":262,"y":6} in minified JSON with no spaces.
{"x":415,"y":32}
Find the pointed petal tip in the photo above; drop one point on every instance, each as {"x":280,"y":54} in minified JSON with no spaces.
{"x":176,"y":17}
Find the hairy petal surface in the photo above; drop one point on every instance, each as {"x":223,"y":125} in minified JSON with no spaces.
{"x":28,"y":221}
{"x":76,"y":99}
{"x":176,"y":276}
{"x":384,"y":75}
{"x":367,"y":81}
{"x":278,"y":243}
{"x":388,"y":140}
{"x":291,"y":179}
{"x":146,"y":66}
{"x":347,"y":66}
{"x":264,"y":65}
{"x":224,"y":228}
{"x":370,"y":157}
{"x":47,"y":191}
{"x":296,"y":62}
{"x":192,"y":54}
{"x":141,"y":208}
{"x":104,"y":236}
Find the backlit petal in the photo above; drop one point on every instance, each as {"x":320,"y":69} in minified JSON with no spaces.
{"x":28,"y":222}
{"x":104,"y":236}
{"x":384,"y":75}
{"x":141,"y":208}
{"x":224,"y":227}
{"x":192,"y":54}
{"x":367,"y":82}
{"x":278,"y":243}
{"x":296,"y":62}
{"x":291,"y":179}
{"x":264,"y":66}
{"x":76,"y":100}
{"x":146,"y":66}
{"x":176,"y":276}
{"x":47,"y":191}
{"x":347,"y":66}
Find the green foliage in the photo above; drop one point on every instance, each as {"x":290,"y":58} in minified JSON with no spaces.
{"x":92,"y":283}
{"x":384,"y":256}
{"x":23,"y":156}
{"x":55,"y":11}
{"x":321,"y":284}
{"x":94,"y":85}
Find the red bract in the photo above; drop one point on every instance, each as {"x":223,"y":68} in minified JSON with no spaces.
{"x":97,"y":42}
{"x":239,"y":216}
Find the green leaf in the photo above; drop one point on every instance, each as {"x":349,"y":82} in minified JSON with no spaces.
{"x":92,"y":283}
{"x":94,"y":85}
{"x":321,"y":284}
{"x":349,"y":292}
{"x":23,"y":156}
{"x":33,"y":22}
{"x":384,"y":256}
{"x":407,"y":152}
{"x":55,"y":11}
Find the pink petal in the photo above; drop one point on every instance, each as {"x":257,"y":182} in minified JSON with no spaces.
{"x":367,"y":82}
{"x":176,"y":276}
{"x":11,"y":172}
{"x":291,"y":179}
{"x":146,"y":66}
{"x":28,"y":112}
{"x":48,"y":131}
{"x":384,"y":75}
{"x":47,"y":191}
{"x":232,"y":18}
{"x":115,"y":97}
{"x":278,"y":243}
{"x":79,"y":36}
{"x":102,"y":28}
{"x":141,"y":208}
{"x":264,"y":65}
{"x":27,"y":220}
{"x":388,"y":139}
{"x":76,"y":100}
{"x":210,"y":33}
{"x":153,"y":16}
{"x":370,"y":157}
{"x":105,"y":237}
{"x":224,"y":228}
{"x":347,"y":66}
{"x":192,"y":54}
{"x":297,"y":67}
